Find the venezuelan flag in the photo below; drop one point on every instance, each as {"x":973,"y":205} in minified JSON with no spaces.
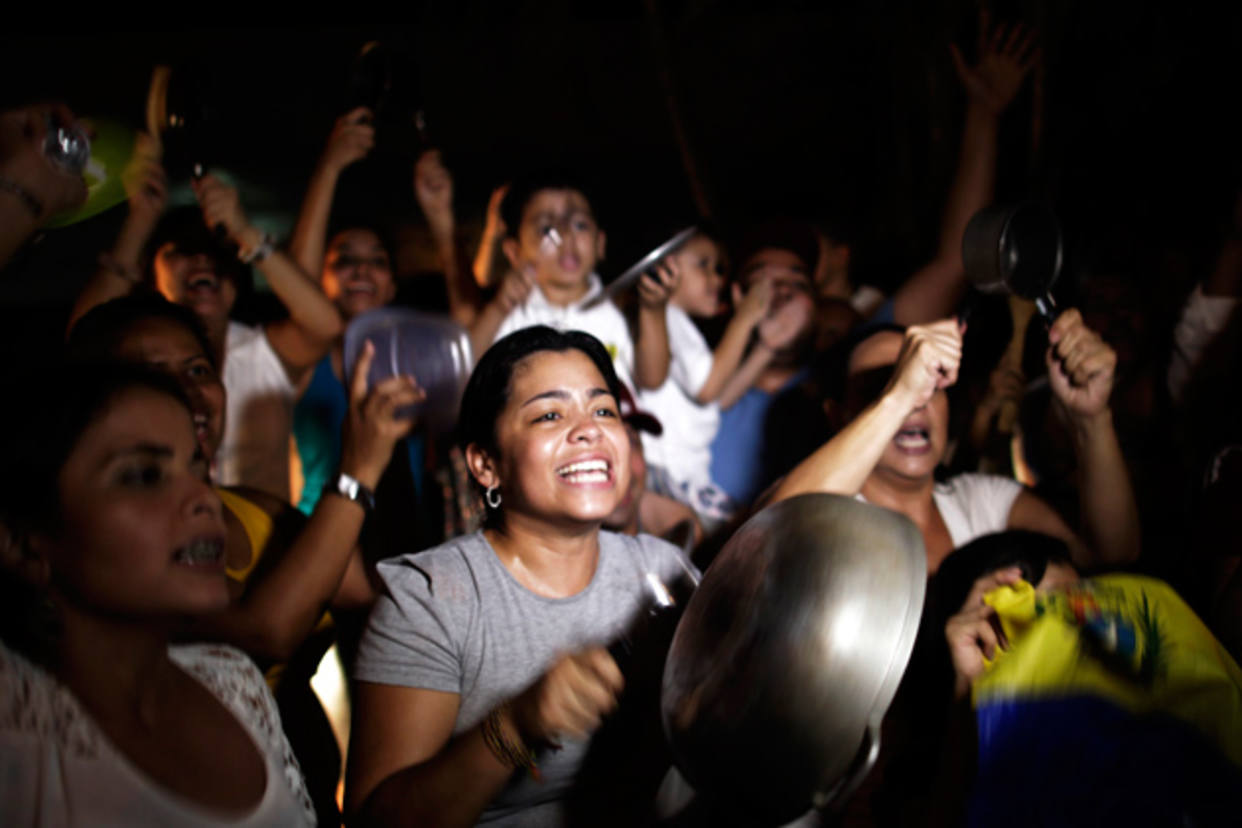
{"x":1113,"y":705}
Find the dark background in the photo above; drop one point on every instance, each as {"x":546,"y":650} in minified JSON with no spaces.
{"x":840,"y":112}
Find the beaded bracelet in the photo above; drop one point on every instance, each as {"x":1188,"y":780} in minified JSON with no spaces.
{"x":513,"y":753}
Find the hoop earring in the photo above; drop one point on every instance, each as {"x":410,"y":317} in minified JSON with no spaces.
{"x":492,"y":496}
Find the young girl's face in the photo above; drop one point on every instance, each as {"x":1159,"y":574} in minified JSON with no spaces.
{"x":702,"y":277}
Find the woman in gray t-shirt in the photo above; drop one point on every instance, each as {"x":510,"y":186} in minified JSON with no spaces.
{"x":484,"y":669}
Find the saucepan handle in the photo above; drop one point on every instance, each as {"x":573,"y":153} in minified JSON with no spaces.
{"x":863,"y":762}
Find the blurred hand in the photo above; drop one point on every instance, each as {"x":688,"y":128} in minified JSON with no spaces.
{"x":656,"y":286}
{"x":221,"y":206}
{"x":433,"y":187}
{"x":570,"y":700}
{"x":1005,"y":57}
{"x":756,"y":303}
{"x":1006,"y":387}
{"x":973,"y":633}
{"x":372,"y":427}
{"x":351,"y":139}
{"x":515,"y":287}
{"x":22,"y":134}
{"x":1080,"y":365}
{"x":786,"y":324}
{"x":146,"y":184}
{"x":928,"y":361}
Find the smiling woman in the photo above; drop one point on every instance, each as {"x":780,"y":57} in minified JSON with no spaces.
{"x":484,"y":671}
{"x":111,"y":540}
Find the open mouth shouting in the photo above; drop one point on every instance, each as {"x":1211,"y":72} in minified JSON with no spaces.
{"x":203,"y":281}
{"x":205,"y":552}
{"x":593,"y":472}
{"x":913,"y":439}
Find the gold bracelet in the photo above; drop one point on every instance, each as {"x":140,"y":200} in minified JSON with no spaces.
{"x":513,"y":753}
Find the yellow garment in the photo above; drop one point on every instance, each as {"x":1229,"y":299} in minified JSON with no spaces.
{"x":258,"y":525}
{"x":1124,"y":638}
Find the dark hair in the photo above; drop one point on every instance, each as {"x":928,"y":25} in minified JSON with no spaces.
{"x":95,"y":337}
{"x":383,"y":232}
{"x":797,"y":237}
{"x":488,"y":390}
{"x":35,"y":449}
{"x":523,"y":189}
{"x":1031,"y":551}
{"x":185,"y":228}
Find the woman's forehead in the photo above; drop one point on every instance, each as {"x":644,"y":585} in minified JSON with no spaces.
{"x":157,"y":337}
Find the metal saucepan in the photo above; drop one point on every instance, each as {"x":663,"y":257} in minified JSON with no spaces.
{"x":790,"y":652}
{"x":1015,"y":249}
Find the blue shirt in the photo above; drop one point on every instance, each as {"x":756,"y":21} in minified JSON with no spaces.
{"x":738,"y":450}
{"x":317,"y":421}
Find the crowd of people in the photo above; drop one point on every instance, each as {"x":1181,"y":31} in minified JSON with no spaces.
{"x":200,"y":507}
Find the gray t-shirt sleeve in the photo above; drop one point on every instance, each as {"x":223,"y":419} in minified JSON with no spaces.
{"x":412,"y":637}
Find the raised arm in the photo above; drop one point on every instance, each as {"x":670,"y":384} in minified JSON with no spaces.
{"x":778,"y":330}
{"x":278,"y":610}
{"x":351,"y":139}
{"x":651,"y":350}
{"x":407,"y":769}
{"x":727,"y":358}
{"x":433,"y":187}
{"x":1005,"y":57}
{"x":489,"y":245}
{"x":928,"y":361}
{"x":32,"y":188}
{"x":1080,"y":369}
{"x":314,"y":322}
{"x":513,"y":290}
{"x":120,"y":271}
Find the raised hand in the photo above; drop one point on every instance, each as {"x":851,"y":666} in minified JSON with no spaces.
{"x":1005,"y":57}
{"x":784,"y":325}
{"x":756,"y":303}
{"x":352,"y":138}
{"x":372,"y":427}
{"x":221,"y":206}
{"x":1080,"y":365}
{"x":928,"y":361}
{"x":657,"y":286}
{"x":570,"y":700}
{"x":146,"y":184}
{"x":433,"y":187}
{"x":48,"y":188}
{"x":972,"y":634}
{"x":515,"y":287}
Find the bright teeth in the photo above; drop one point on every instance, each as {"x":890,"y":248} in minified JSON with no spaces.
{"x":200,"y":552}
{"x":586,"y":471}
{"x":912,"y":438}
{"x":203,"y":281}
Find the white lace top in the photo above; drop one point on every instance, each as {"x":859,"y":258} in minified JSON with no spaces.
{"x":57,"y":768}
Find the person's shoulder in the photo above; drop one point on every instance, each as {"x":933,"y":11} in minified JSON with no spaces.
{"x":456,"y":562}
{"x":240,"y":335}
{"x":651,"y":553}
{"x":975,"y":489}
{"x":212,"y":662}
{"x":972,"y":481}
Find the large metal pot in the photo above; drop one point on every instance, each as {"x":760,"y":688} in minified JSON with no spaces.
{"x":790,"y":652}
